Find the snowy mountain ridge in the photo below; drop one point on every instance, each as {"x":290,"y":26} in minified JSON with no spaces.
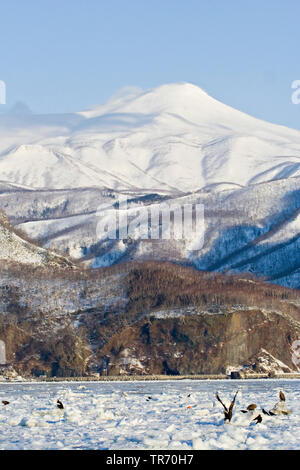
{"x":173,"y":143}
{"x":174,"y":137}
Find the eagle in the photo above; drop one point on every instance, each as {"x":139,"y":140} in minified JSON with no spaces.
{"x":227,"y":411}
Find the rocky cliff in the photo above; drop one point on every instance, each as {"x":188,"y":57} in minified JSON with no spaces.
{"x":144,"y":318}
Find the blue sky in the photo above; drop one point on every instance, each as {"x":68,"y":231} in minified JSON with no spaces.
{"x":67,"y":55}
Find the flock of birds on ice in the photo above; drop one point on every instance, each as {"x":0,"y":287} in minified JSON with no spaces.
{"x":252,"y":411}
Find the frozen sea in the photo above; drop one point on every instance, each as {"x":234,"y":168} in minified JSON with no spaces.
{"x":117,"y":415}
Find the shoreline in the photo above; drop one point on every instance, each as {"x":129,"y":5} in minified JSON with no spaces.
{"x":150,"y":378}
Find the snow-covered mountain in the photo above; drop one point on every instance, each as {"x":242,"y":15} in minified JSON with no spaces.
{"x":173,"y":143}
{"x":175,"y":137}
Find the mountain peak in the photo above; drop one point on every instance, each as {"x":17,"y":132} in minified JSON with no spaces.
{"x":171,"y":97}
{"x":162,"y":98}
{"x":186,"y":88}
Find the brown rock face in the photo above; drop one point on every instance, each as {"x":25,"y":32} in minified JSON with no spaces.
{"x":201,"y":344}
{"x":151,"y":318}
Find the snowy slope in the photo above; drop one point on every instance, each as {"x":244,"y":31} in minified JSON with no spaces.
{"x":174,"y":137}
{"x":14,"y":248}
{"x":254,"y":228}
